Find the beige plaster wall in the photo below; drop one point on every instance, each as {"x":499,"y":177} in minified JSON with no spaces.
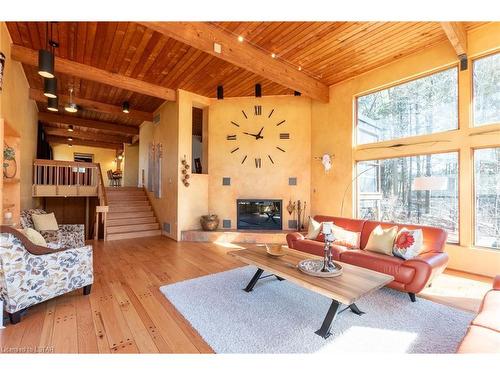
{"x":21,"y":114}
{"x":332,"y":132}
{"x":131,"y":165}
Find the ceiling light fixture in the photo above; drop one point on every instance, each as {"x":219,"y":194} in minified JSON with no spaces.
{"x":71,"y":107}
{"x":70,"y":139}
{"x":220,"y":92}
{"x":46,"y":56}
{"x":70,"y":128}
{"x":70,"y":145}
{"x":50,"y":87}
{"x":258,"y":90}
{"x":300,"y":68}
{"x":125,"y":107}
{"x":53,"y":104}
{"x":273,"y":55}
{"x":240,"y":38}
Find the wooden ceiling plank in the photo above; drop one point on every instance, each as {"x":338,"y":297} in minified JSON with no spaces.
{"x":78,"y":121}
{"x":85,"y":135}
{"x":95,"y":106}
{"x":29,"y":56}
{"x":457,"y":35}
{"x":202,"y":36}
{"x":81,"y":142}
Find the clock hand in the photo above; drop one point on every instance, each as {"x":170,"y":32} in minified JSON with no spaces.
{"x":260,"y":131}
{"x":253,"y":135}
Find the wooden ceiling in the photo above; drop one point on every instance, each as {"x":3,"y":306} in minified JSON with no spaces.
{"x":329,"y":52}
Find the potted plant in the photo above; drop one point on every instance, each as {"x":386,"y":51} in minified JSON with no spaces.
{"x":209,"y":222}
{"x":9,"y":162}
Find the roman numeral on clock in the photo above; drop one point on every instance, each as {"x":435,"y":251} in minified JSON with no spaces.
{"x":281,"y":122}
{"x":258,"y":110}
{"x":284,"y":135}
{"x":258,"y":162}
{"x":231,"y":137}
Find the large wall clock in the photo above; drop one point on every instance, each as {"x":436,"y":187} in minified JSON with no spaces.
{"x":265,"y":134}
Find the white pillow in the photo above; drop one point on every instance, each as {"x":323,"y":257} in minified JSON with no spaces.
{"x":45,"y":222}
{"x":408,"y":243}
{"x":382,"y":240}
{"x":314,"y":229}
{"x":35,"y":237}
{"x":345,"y":237}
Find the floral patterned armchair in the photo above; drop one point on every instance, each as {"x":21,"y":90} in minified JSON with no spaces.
{"x":30,"y":274}
{"x":68,"y":235}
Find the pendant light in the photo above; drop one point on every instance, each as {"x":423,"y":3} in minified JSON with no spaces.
{"x":46,"y":56}
{"x":125,"y":107}
{"x":53,"y":104}
{"x":50,"y":87}
{"x":71,"y":107}
{"x":70,"y":128}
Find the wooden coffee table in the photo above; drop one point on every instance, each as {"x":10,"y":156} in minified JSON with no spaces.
{"x":354,"y":283}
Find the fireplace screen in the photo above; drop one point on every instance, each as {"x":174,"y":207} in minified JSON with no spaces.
{"x":259,"y":214}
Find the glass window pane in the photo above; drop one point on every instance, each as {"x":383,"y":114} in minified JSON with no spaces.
{"x":487,"y":191}
{"x":423,"y":106}
{"x":419,"y":189}
{"x":486,"y":78}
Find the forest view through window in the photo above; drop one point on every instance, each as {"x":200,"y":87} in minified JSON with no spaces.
{"x":487,"y":191}
{"x":486,"y":78}
{"x":419,"y":189}
{"x":422,"y":106}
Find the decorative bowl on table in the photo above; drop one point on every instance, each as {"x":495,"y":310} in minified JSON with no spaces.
{"x":275,"y":250}
{"x":314,"y":267}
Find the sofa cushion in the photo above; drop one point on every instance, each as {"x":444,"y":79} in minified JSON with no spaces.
{"x":408,"y":243}
{"x":382,"y":240}
{"x":35,"y":237}
{"x":314,"y":229}
{"x":480,"y":340}
{"x":345,"y":237}
{"x":379,"y":262}
{"x":489,"y":315}
{"x":44,"y":222}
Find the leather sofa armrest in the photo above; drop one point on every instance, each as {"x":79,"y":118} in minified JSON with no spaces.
{"x":496,"y":283}
{"x":291,"y":238}
{"x":427,"y":266}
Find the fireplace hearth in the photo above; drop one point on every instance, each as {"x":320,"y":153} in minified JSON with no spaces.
{"x":259,"y":214}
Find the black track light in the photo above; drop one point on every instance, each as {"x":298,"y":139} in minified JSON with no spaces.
{"x":46,"y":63}
{"x":53,"y":104}
{"x":258,"y":90}
{"x":125,"y":107}
{"x":297,"y":93}
{"x":220,"y":92}
{"x":50,"y":87}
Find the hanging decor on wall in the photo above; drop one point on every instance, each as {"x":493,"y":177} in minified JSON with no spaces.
{"x":151,"y":159}
{"x":2,"y":67}
{"x":185,"y":171}
{"x":154,"y":169}
{"x":9,"y":161}
{"x":326,"y":160}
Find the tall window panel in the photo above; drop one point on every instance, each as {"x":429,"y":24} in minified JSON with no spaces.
{"x":422,"y":106}
{"x":419,"y":189}
{"x":487,"y":197}
{"x":486,"y":81}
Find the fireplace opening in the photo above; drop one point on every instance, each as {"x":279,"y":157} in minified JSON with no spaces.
{"x":259,"y":214}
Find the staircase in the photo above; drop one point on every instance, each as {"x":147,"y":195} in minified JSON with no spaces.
{"x":130,"y":214}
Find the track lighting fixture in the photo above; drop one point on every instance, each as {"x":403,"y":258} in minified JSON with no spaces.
{"x":71,"y":107}
{"x":53,"y":104}
{"x":46,"y":56}
{"x":50,"y":87}
{"x":258,"y":90}
{"x":70,"y":128}
{"x":220,"y":92}
{"x":297,"y":93}
{"x":70,"y":139}
{"x":125,"y":107}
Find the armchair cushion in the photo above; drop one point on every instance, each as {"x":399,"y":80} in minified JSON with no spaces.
{"x":45,"y":221}
{"x":35,"y":237}
{"x":27,"y":279}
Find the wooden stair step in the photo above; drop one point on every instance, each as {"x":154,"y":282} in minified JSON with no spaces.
{"x":140,"y":203}
{"x":112,"y":200}
{"x":133,"y":215}
{"x":132,"y":228}
{"x":131,"y":221}
{"x":124,"y":236}
{"x":129,"y":208}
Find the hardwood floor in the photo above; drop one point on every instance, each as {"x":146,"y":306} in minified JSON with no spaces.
{"x":126,"y":312}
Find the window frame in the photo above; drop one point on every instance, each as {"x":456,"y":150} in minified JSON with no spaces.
{"x":474,"y":216}
{"x":399,"y":83}
{"x":473,"y":93}
{"x":459,"y":207}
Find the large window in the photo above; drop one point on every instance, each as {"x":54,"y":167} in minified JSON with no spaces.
{"x":422,"y":106}
{"x":486,"y":78}
{"x":487,"y":197}
{"x":419,"y":189}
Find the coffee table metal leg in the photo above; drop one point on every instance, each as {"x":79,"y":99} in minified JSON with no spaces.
{"x":355,"y":309}
{"x":279,"y":278}
{"x":324,"y":331}
{"x":254,"y":280}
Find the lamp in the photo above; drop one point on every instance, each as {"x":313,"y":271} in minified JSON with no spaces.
{"x":350,"y":183}
{"x":71,"y":107}
{"x":125,"y":107}
{"x":53,"y":104}
{"x":220,"y":92}
{"x":258,"y":90}
{"x":70,"y":128}
{"x":50,"y":87}
{"x":297,"y":93}
{"x":70,"y":139}
{"x":46,"y":56}
{"x":430,"y":183}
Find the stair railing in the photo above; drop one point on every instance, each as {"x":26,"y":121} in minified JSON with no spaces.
{"x":101,"y":211}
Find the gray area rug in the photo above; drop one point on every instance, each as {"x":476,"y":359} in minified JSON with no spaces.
{"x":280,"y":317}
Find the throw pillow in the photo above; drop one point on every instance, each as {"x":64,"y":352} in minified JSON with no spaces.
{"x":45,"y":222}
{"x":313,"y":230}
{"x":382,"y":240}
{"x":408,"y":243}
{"x":35,"y":237}
{"x":346,"y":238}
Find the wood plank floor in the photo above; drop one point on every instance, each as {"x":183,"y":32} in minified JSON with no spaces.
{"x":126,"y":312}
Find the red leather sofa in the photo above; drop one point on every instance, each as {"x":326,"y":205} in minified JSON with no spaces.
{"x":483,"y":335}
{"x":410,"y":276}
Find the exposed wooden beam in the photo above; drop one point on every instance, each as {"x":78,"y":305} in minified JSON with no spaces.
{"x":86,"y":135}
{"x":203,"y":35}
{"x":94,"y":106}
{"x":72,"y":68}
{"x":82,"y":142}
{"x":457,"y":35}
{"x":78,"y":121}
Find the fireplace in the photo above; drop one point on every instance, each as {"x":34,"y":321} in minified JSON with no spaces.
{"x":259,"y":214}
